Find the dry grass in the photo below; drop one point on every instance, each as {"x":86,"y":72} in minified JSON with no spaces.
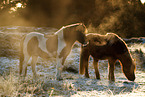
{"x":11,"y":86}
{"x":73,"y":84}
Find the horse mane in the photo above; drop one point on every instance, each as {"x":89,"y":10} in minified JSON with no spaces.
{"x":117,"y":38}
{"x":117,"y":42}
{"x":71,"y":25}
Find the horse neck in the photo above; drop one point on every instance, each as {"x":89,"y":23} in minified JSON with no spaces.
{"x":126,"y":60}
{"x":59,"y":32}
{"x":66,"y":36}
{"x":69,"y":38}
{"x":128,"y":66}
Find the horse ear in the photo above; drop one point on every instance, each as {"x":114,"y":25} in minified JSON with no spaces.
{"x":80,"y":23}
{"x":86,"y":31}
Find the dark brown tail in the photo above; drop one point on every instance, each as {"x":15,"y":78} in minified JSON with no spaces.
{"x":82,"y":67}
{"x":84,"y":56}
{"x":21,"y":57}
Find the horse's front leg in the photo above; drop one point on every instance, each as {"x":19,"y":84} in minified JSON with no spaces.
{"x":59,"y":68}
{"x":86,"y":68}
{"x":111,"y":67}
{"x":60,"y":61}
{"x":95,"y":63}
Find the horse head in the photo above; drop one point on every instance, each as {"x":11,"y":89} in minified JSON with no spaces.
{"x":81,"y":32}
{"x":76,"y":32}
{"x":129,"y":66}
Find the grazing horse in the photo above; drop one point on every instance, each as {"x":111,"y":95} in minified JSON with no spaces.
{"x":58,"y":45}
{"x":111,"y":47}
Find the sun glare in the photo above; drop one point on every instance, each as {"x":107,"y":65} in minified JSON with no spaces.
{"x":142,"y":1}
{"x":18,"y":5}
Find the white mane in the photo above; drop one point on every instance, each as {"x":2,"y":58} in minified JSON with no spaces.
{"x":63,"y":27}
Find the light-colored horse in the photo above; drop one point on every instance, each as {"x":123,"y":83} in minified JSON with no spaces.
{"x":111,"y":47}
{"x":57,"y":45}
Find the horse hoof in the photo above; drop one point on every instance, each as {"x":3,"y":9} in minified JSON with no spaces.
{"x":98,"y":78}
{"x":35,"y":77}
{"x":111,"y":81}
{"x":87,"y":76}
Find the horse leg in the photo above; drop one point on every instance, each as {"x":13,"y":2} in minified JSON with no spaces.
{"x":59,"y":68}
{"x":25,"y":63}
{"x":86,"y":68}
{"x":111,"y":66}
{"x":33,"y":65}
{"x":95,"y":63}
{"x":60,"y":61}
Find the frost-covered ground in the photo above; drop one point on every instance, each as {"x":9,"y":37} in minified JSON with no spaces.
{"x":73,"y":84}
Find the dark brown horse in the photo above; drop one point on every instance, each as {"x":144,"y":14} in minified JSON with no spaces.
{"x":58,"y":45}
{"x":111,"y":47}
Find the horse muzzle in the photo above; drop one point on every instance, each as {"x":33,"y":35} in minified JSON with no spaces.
{"x":132,"y":78}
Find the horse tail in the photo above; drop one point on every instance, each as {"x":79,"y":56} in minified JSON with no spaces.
{"x":82,"y":67}
{"x":21,"y":56}
{"x":83,"y":60}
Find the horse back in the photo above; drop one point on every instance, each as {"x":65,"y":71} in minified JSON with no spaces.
{"x":116,"y":43}
{"x":36,"y":44}
{"x":104,"y":46}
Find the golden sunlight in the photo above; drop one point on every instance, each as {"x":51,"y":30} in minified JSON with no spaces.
{"x":18,"y":5}
{"x":142,"y":1}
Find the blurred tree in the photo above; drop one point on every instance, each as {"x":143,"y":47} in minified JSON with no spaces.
{"x":124,"y":17}
{"x":83,"y":10}
{"x":129,"y":19}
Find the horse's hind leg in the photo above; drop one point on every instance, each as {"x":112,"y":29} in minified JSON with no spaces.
{"x":95,"y":63}
{"x":33,"y":65}
{"x":111,"y":66}
{"x":25,"y":63}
